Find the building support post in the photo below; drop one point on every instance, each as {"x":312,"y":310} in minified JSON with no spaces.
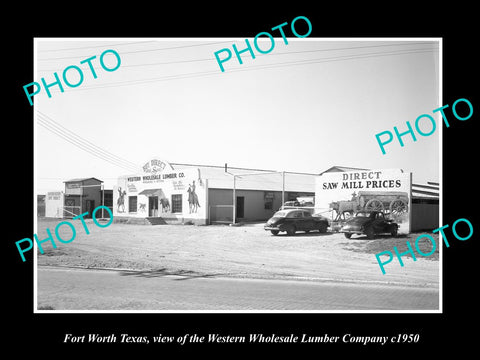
{"x":103,"y":200}
{"x":234,"y":210}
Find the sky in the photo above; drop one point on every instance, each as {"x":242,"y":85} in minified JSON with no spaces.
{"x":304,"y":107}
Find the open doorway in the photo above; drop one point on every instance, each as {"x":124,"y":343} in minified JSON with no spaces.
{"x":153,"y":206}
{"x":240,"y":210}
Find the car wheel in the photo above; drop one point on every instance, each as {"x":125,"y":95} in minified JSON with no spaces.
{"x":274,"y":232}
{"x":369,"y":232}
{"x":291,"y":230}
{"x":394,"y":231}
{"x":307,"y":231}
{"x":323,"y":228}
{"x":347,"y":235}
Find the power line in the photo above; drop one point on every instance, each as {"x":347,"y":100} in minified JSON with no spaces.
{"x":274,"y":54}
{"x":95,"y":46}
{"x":71,"y":133}
{"x":84,"y":144}
{"x":92,"y":152}
{"x":258,"y":67}
{"x":279,"y":54}
{"x":81,"y":145}
{"x":142,"y":51}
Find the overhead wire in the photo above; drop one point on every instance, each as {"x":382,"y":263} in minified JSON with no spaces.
{"x":80,"y":142}
{"x":254,"y":67}
{"x":89,"y":143}
{"x":95,"y":46}
{"x":83,"y":147}
{"x":143,"y":51}
{"x":93,"y":150}
{"x":274,"y":54}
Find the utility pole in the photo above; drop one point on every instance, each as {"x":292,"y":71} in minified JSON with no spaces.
{"x":234,"y":199}
{"x":103,"y":200}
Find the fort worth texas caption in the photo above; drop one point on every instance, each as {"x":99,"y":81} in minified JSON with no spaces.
{"x":253,"y":338}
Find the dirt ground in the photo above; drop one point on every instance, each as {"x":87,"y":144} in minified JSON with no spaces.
{"x":246,"y":251}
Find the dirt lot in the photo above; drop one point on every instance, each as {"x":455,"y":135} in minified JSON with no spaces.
{"x":243,"y":251}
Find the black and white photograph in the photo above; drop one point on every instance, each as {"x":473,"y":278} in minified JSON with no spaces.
{"x":236,"y":189}
{"x":277,"y":181}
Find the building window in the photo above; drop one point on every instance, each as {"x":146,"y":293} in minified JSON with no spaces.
{"x":132,"y":204}
{"x":177,"y":203}
{"x":292,"y":196}
{"x":108,"y":199}
{"x":268,"y":200}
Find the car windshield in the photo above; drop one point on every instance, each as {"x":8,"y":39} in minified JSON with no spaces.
{"x":280,"y":214}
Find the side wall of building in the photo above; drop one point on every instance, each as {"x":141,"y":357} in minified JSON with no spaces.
{"x":425,"y":216}
{"x":92,"y":195}
{"x":258,"y":205}
{"x":82,"y":196}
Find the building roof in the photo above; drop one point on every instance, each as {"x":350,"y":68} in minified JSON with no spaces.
{"x":271,"y":180}
{"x":425,"y":191}
{"x":82,"y":179}
{"x":253,"y":179}
{"x":342,"y":169}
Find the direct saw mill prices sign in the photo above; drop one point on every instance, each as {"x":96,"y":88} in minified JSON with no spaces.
{"x":340,"y":194}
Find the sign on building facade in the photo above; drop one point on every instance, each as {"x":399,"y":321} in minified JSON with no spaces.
{"x":341,"y":194}
{"x":162,"y":191}
{"x":54,"y":204}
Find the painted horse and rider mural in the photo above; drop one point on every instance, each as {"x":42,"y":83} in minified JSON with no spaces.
{"x":121,"y":200}
{"x":165,"y":204}
{"x":193,"y":203}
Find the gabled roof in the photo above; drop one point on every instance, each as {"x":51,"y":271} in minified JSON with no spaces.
{"x":342,"y":169}
{"x":82,"y":179}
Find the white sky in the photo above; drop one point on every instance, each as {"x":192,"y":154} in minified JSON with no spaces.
{"x":303,"y":117}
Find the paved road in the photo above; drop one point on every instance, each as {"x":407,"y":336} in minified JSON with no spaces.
{"x":79,"y":289}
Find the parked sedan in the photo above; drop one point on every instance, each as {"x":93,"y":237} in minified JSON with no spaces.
{"x":369,"y":223}
{"x":293,"y":220}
